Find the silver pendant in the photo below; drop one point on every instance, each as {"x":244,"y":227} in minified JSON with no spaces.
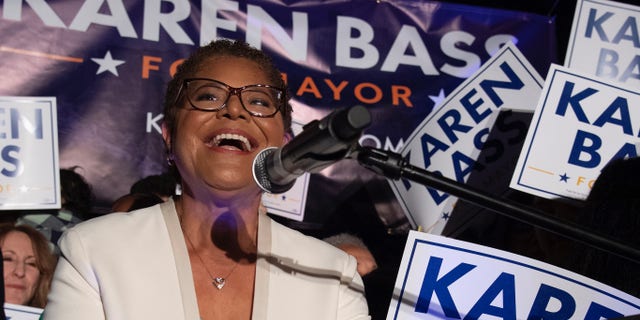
{"x":218,"y":282}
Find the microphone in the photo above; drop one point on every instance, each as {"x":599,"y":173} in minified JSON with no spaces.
{"x":320,"y":144}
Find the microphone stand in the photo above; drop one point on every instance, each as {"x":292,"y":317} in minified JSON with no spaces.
{"x":393,"y":166}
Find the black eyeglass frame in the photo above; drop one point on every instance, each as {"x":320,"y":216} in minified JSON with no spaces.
{"x":233,"y":91}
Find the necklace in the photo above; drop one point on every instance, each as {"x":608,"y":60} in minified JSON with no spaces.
{"x":217,"y":282}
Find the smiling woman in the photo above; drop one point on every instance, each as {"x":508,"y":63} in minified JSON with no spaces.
{"x":211,"y":252}
{"x":28,"y":265}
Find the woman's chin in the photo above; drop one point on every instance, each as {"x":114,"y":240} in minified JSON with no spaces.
{"x":19,"y":300}
{"x":231,"y":185}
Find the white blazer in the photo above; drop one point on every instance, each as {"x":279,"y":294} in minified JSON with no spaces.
{"x":136,"y":266}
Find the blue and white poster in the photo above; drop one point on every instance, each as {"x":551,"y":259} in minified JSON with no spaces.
{"x":19,"y":312}
{"x":450,"y":139}
{"x":444,"y":278}
{"x":580,"y":124}
{"x":605,"y":41}
{"x":29,"y":172}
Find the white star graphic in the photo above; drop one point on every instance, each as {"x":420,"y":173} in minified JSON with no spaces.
{"x":107,"y":64}
{"x":437,"y":100}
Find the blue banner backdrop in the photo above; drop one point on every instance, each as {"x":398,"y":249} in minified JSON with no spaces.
{"x":107,"y":63}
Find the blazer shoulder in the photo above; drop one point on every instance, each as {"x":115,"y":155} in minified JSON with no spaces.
{"x":114,"y":226}
{"x":308,"y":250}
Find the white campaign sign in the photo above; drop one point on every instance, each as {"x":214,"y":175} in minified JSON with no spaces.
{"x":290,"y":204}
{"x":29,"y":167}
{"x":605,"y":41}
{"x":18,"y":312}
{"x":449,"y":141}
{"x":579,"y":125}
{"x":444,"y":278}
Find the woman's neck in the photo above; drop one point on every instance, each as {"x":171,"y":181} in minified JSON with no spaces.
{"x":229,"y":230}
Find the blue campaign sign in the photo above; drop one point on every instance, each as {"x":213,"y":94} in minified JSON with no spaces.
{"x":605,"y":41}
{"x":441,"y":278}
{"x":449,"y":141}
{"x":29,"y":172}
{"x":580,"y":124}
{"x":19,"y":312}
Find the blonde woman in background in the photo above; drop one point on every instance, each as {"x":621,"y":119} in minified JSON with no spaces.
{"x":28,"y":265}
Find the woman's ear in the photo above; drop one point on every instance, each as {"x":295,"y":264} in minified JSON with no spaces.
{"x":166,"y":136}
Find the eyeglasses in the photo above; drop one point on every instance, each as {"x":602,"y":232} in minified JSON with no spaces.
{"x":260,"y":100}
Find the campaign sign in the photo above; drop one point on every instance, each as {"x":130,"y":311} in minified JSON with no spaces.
{"x":444,"y":278}
{"x":449,"y":141}
{"x":580,"y":124}
{"x":290,"y":204}
{"x":492,"y":174}
{"x":605,"y":41}
{"x":29,"y":169}
{"x":18,"y":312}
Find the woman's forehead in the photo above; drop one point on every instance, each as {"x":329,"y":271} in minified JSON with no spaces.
{"x":16,"y":239}
{"x":234,"y":71}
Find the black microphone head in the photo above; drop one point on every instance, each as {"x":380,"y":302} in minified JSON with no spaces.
{"x":261,"y":172}
{"x":349,"y":123}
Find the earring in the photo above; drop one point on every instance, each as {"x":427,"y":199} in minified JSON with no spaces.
{"x":170,"y":159}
